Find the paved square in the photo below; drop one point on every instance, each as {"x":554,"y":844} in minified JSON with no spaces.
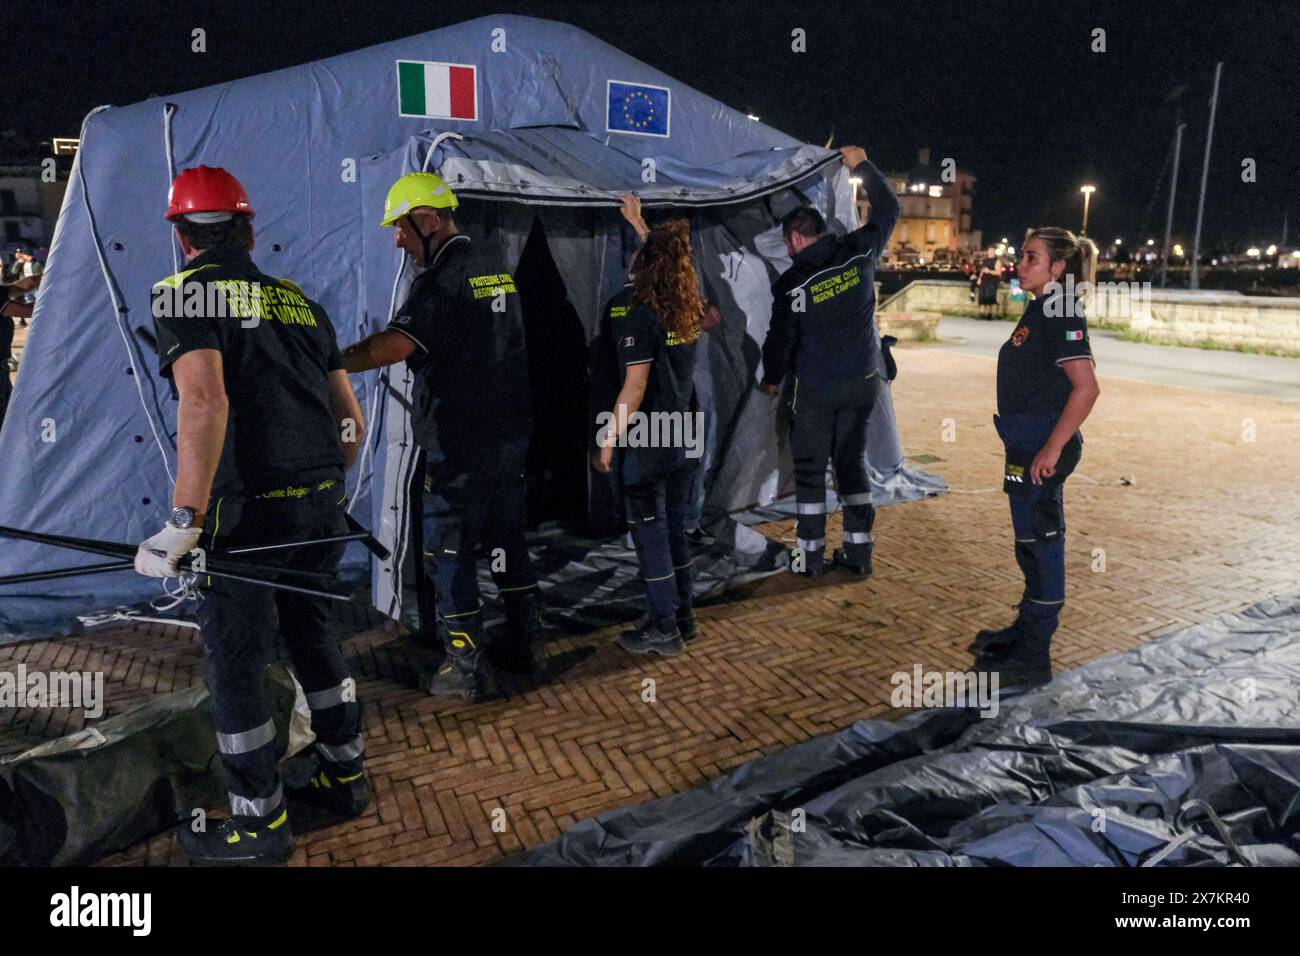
{"x":1184,"y":507}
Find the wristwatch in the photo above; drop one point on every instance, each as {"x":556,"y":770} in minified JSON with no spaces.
{"x":182,"y":517}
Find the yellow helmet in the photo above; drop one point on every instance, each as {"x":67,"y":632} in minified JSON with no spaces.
{"x":414,"y":190}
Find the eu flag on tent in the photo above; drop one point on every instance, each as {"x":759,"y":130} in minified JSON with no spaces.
{"x":637,"y":108}
{"x":437,"y":90}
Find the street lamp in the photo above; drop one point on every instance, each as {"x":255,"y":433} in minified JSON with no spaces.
{"x":1087,"y":195}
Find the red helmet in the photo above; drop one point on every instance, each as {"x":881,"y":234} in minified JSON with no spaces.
{"x":206,"y":189}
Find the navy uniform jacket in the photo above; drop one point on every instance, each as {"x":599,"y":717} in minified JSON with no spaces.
{"x":602,"y":361}
{"x":278,"y":349}
{"x":1033,"y":387}
{"x":823,"y":328}
{"x":641,"y":339}
{"x":470,"y":363}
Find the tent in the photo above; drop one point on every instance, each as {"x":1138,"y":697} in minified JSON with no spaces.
{"x":538,"y":127}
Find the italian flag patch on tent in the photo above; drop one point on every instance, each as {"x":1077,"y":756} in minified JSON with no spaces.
{"x":437,"y":90}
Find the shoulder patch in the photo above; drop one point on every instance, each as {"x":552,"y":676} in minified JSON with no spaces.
{"x":174,"y":281}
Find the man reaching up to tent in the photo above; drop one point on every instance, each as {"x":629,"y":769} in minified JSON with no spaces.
{"x":823,"y":333}
{"x":266,"y":427}
{"x":461,"y":331}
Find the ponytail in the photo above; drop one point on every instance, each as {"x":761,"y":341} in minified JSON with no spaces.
{"x":1079,"y":253}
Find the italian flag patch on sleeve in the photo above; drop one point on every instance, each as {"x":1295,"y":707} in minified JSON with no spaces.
{"x":1074,"y":335}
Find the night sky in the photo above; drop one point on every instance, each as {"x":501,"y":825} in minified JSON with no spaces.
{"x":1012,"y":91}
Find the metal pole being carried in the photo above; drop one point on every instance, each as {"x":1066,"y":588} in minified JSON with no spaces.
{"x":126,"y":554}
{"x":1194,"y":281}
{"x":1169,"y":216}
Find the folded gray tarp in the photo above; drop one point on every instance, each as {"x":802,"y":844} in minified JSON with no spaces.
{"x":127,"y":778}
{"x":1183,"y":752}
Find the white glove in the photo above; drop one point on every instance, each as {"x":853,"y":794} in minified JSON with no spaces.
{"x":158,"y":556}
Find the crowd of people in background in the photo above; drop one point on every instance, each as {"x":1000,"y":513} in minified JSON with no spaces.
{"x":986,"y":273}
{"x":19,"y":281}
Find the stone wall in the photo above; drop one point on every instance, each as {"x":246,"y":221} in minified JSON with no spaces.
{"x":949,"y":296}
{"x":1227,"y":320}
{"x":1253,"y":323}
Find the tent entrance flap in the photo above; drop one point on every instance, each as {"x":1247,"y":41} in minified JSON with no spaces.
{"x":561,"y":166}
{"x":557,"y":373}
{"x":543,"y":202}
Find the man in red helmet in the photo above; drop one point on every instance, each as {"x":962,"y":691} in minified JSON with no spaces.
{"x":267,"y":426}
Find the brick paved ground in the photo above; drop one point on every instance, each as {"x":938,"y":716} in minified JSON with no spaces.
{"x":1210,"y":522}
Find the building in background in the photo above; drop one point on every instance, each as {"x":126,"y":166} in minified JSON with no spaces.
{"x":934,"y":224}
{"x":31,"y":190}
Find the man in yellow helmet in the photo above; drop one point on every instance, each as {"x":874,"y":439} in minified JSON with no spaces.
{"x":461,"y":332}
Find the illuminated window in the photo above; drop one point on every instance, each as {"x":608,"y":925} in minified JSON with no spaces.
{"x":936,"y":191}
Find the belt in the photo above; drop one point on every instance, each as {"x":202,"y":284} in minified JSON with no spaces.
{"x":298,"y":491}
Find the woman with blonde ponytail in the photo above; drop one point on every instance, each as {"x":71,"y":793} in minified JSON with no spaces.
{"x":1046,"y":388}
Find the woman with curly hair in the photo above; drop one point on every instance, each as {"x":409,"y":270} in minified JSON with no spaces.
{"x":655,"y":348}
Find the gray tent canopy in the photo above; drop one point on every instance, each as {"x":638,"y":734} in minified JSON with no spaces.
{"x":536,"y":125}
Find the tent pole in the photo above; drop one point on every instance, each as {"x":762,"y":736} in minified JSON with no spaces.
{"x":67,"y":572}
{"x":114,"y":549}
{"x":336,"y":539}
{"x":130,"y":565}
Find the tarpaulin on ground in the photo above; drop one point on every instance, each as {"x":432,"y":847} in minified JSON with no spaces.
{"x":1183,"y":752}
{"x":588,"y":584}
{"x":75,"y":799}
{"x":531,"y":121}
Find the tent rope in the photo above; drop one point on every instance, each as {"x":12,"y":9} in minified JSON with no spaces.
{"x":169,"y":110}
{"x":118,"y":308}
{"x":186,"y":589}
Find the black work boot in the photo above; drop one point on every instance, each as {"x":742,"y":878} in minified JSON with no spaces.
{"x":465,"y":672}
{"x":1028,"y":663}
{"x":520,"y":650}
{"x":238,"y":841}
{"x":686,"y":625}
{"x":310,"y":777}
{"x":996,"y":643}
{"x":840,"y":558}
{"x":700,"y":537}
{"x":685,"y":613}
{"x":814,"y":564}
{"x":651,"y":638}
